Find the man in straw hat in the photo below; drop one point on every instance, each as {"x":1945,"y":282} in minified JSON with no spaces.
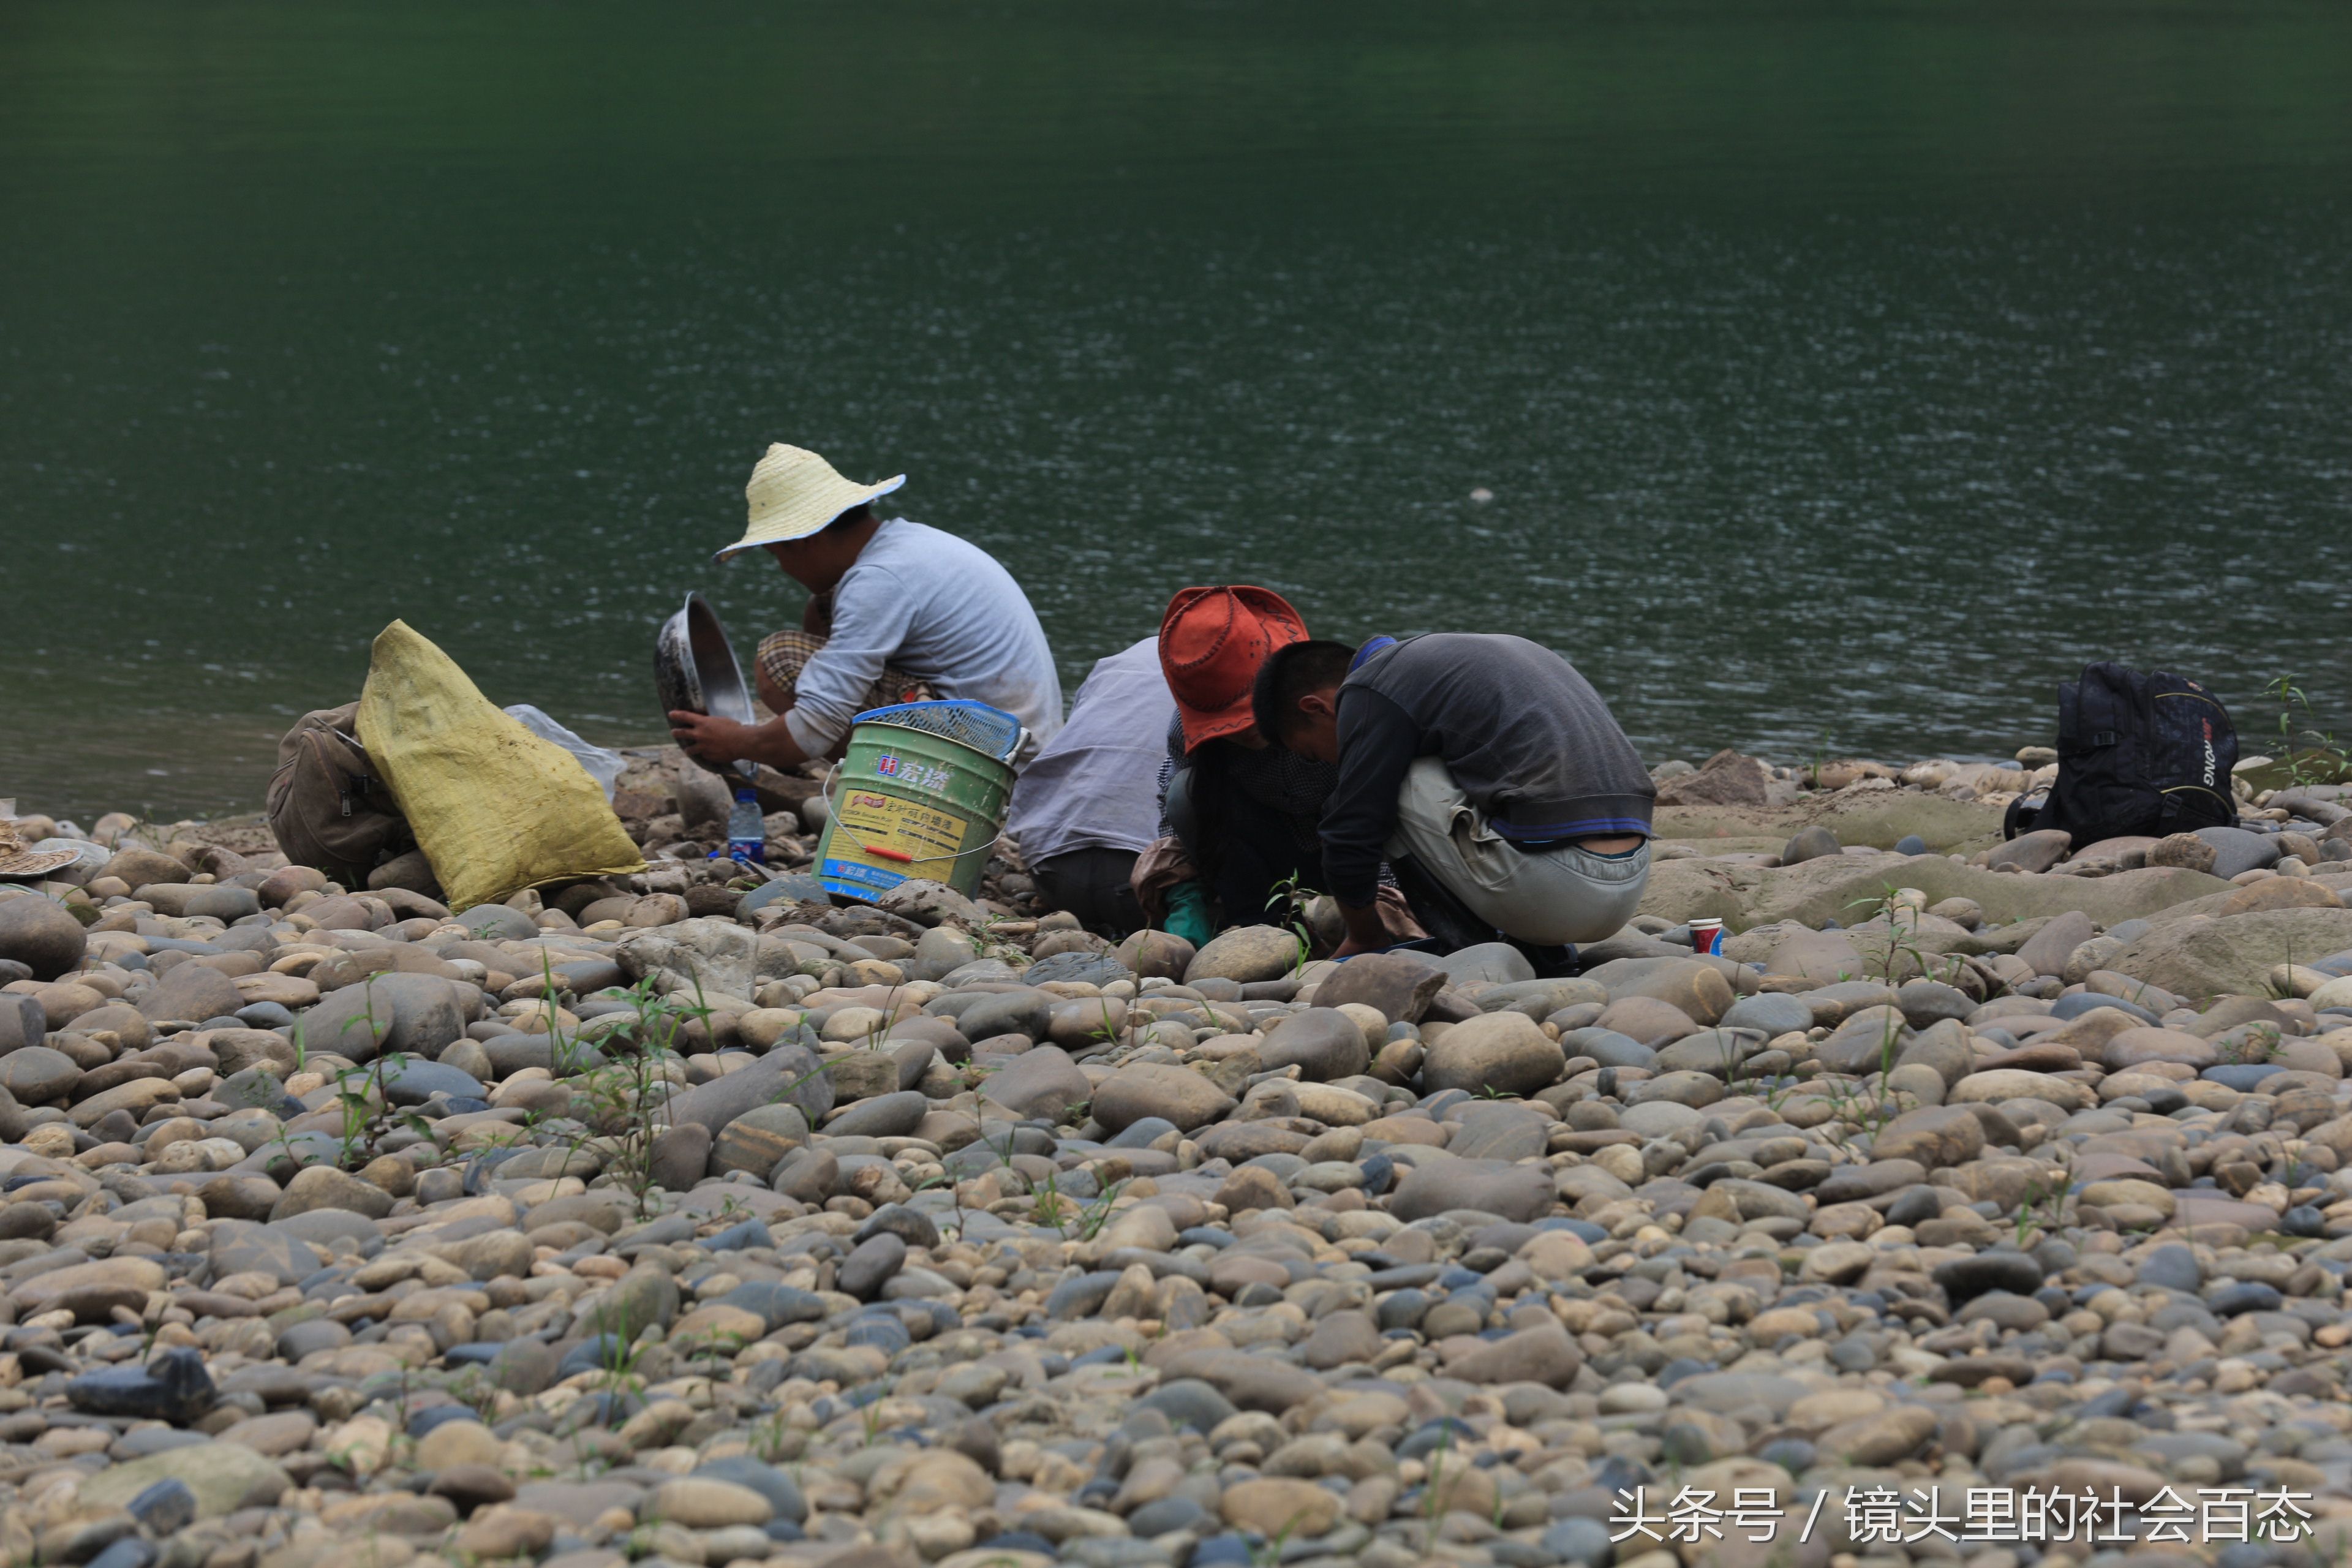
{"x":897,"y":612}
{"x":1488,"y":771}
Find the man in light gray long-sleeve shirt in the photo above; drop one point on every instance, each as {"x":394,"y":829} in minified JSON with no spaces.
{"x":898,"y":612}
{"x":1090,"y":802}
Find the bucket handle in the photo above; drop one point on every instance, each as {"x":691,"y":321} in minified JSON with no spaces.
{"x":825,"y":791}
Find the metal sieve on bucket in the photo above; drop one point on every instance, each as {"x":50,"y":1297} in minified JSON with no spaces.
{"x":990,"y":732}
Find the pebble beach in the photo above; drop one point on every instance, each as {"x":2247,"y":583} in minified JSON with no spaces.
{"x":690,"y":1218}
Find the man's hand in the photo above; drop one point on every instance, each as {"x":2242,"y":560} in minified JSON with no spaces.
{"x":1188,"y":914}
{"x":1366,"y":932}
{"x":723,"y":740}
{"x":712,"y":740}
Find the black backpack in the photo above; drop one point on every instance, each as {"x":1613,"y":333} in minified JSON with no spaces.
{"x":2137,"y":754}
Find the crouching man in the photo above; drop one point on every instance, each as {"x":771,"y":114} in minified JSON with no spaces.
{"x":897,"y":612}
{"x":1488,"y":771}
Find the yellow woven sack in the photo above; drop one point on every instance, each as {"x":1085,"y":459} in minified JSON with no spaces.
{"x":493,"y":806}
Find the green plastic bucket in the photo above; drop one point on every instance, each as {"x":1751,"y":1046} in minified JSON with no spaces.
{"x":921,"y":792}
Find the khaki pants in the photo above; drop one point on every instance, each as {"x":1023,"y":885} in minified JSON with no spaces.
{"x":1549,"y":897}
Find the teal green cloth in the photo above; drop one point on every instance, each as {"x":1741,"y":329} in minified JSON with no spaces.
{"x":1188,"y":914}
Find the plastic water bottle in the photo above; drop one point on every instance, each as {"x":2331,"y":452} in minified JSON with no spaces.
{"x":747,"y":834}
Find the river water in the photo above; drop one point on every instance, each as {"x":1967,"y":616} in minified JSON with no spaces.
{"x":1843,"y":375}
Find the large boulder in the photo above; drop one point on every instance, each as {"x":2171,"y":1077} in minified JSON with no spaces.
{"x":1937,"y":1136}
{"x":1487,"y":963}
{"x":1539,"y":999}
{"x":240,"y":1247}
{"x":643,"y":1297}
{"x":718,"y":955}
{"x":788,"y":1073}
{"x":223,"y":1478}
{"x":1942,"y":1046}
{"x":1995,"y":1085}
{"x":325,"y":1187}
{"x":2280,"y":893}
{"x":1508,"y":1053}
{"x":1699,"y":987}
{"x":195,"y":993}
{"x":2183,"y":849}
{"x":1809,"y":844}
{"x":499,"y":922}
{"x":1397,"y":985}
{"x":2238,"y":850}
{"x":930,"y":904}
{"x":1080,"y":967}
{"x":2048,"y":949}
{"x":138,"y":1096}
{"x":88,"y":1289}
{"x":2031,"y":853}
{"x":1825,"y":957}
{"x":1161,"y":952}
{"x":1877,"y":818}
{"x":338,"y":970}
{"x":2267,"y":894}
{"x":1246,"y":953}
{"x":1833,"y":887}
{"x":942,"y":949}
{"x":1324,"y":1044}
{"x":754,"y":1141}
{"x":1726,"y":778}
{"x":2203,"y":958}
{"x":1251,"y":1382}
{"x":2131,"y":1048}
{"x":1043,"y":1082}
{"x":124,"y":1022}
{"x":1518,"y":1193}
{"x":1006,"y":1013}
{"x":139,"y":868}
{"x":1869,"y":1041}
{"x":24,"y":1022}
{"x":414,"y":1014}
{"x":1544,"y":1355}
{"x":41,"y":935}
{"x":182,"y":899}
{"x":895,"y":1115}
{"x":36,"y":1075}
{"x":1179,"y":1095}
{"x":234,"y":1050}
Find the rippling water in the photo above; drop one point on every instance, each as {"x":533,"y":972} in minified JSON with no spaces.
{"x":1843,"y":375}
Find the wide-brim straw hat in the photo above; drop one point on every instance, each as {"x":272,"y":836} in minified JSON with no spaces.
{"x":1211,"y":643}
{"x":793,"y":492}
{"x":18,"y":861}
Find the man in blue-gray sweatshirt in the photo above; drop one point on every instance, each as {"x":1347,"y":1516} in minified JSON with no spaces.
{"x":1489,"y":774}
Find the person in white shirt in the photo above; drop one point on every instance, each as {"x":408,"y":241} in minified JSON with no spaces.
{"x":897,"y":612}
{"x":1090,"y":802}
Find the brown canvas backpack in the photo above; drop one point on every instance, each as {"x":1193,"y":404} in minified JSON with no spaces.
{"x":328,"y":806}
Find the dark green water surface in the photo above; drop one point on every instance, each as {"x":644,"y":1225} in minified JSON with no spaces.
{"x":1844,"y":374}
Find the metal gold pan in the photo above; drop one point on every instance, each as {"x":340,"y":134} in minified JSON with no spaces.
{"x":695,"y":671}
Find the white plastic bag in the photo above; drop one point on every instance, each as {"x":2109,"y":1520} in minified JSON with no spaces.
{"x":602,"y":765}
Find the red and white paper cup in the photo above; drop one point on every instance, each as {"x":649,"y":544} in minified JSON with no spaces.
{"x":1706,"y":935}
